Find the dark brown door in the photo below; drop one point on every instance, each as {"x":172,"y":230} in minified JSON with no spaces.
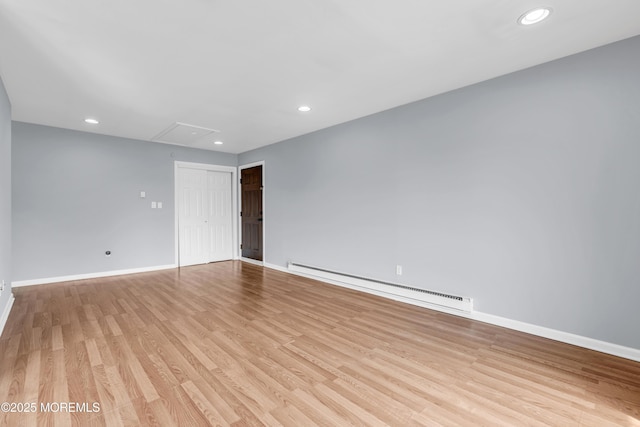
{"x":251,"y":211}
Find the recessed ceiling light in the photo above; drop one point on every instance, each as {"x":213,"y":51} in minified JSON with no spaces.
{"x":304,"y":108}
{"x":91,"y":121}
{"x":534,"y":16}
{"x":218,"y":142}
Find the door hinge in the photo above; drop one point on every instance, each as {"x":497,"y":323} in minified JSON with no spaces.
{"x":240,"y":213}
{"x":240,"y":245}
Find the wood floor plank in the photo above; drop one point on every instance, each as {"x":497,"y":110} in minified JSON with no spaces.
{"x":183,"y":410}
{"x":60,"y":386}
{"x":10,"y":347}
{"x":206,"y":406}
{"x":325,"y":413}
{"x":235,"y":344}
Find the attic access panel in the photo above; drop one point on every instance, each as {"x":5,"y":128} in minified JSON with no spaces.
{"x":183,"y":134}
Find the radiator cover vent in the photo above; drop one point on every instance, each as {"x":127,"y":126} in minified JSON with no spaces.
{"x":388,"y":289}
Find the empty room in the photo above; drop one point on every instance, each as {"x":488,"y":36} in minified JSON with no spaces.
{"x":296,"y":213}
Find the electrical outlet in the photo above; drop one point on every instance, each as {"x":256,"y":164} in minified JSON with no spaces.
{"x":398,"y":270}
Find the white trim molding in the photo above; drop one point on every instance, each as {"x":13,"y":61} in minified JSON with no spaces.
{"x":5,"y":312}
{"x":252,"y":261}
{"x":529,"y":328}
{"x":556,"y":335}
{"x":277,"y":267}
{"x":47,"y":280}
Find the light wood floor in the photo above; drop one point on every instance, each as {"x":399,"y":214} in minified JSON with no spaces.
{"x":235,"y":344}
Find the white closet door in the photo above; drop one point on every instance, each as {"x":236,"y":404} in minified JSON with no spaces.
{"x":193,"y":218}
{"x":220,"y":216}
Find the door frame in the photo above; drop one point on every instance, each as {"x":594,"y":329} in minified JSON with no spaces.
{"x":264,"y":221}
{"x":234,"y":201}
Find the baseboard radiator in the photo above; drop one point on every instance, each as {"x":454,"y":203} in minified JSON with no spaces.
{"x":391,"y":290}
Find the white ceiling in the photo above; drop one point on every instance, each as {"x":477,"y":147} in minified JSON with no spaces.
{"x":243,"y":67}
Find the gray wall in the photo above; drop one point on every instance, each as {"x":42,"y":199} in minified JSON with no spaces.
{"x":76,"y":195}
{"x":521,"y":192}
{"x":5,"y":196}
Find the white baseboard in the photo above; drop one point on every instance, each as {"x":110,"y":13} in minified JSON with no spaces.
{"x":252,"y":261}
{"x":566,"y":337}
{"x":5,"y":312}
{"x":277,"y":267}
{"x":91,"y":275}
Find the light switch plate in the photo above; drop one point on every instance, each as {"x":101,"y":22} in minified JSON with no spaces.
{"x":153,"y":205}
